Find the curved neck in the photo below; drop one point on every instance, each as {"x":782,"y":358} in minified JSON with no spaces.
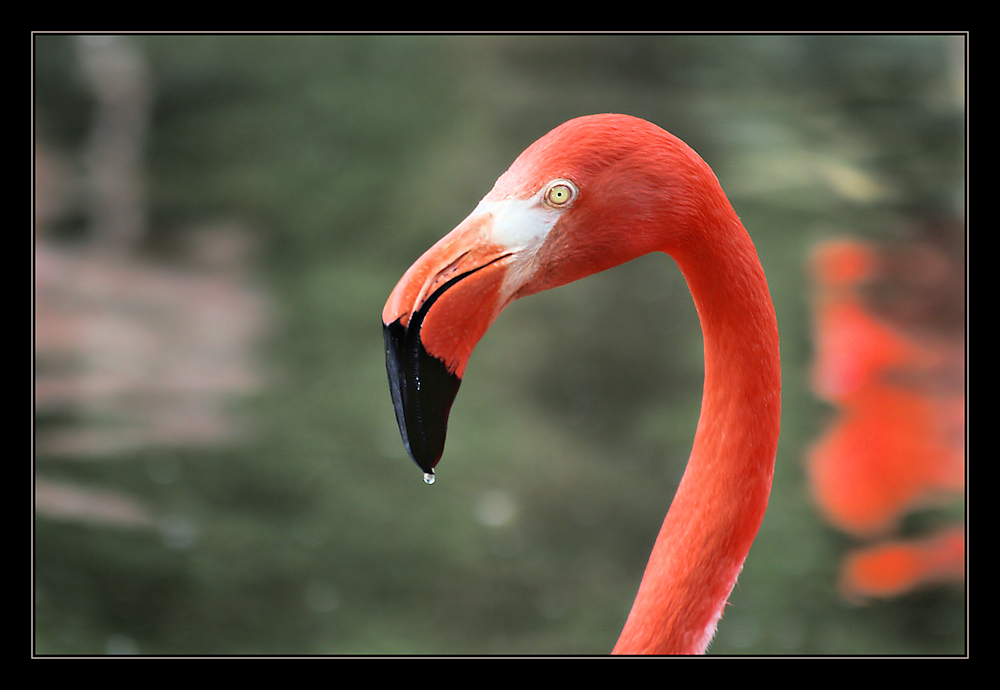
{"x":721,"y":499}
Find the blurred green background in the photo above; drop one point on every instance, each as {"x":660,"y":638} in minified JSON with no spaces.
{"x":282,"y":185}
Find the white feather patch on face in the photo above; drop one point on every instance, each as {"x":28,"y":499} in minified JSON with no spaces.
{"x":522,"y":225}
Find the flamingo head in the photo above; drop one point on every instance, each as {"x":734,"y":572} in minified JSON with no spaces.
{"x":591,"y":194}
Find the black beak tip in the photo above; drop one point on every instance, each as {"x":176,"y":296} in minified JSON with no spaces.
{"x":422,"y":390}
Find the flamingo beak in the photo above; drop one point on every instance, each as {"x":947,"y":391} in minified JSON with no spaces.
{"x":432,"y":321}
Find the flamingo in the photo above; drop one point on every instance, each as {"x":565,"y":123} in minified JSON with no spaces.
{"x":593,"y":193}
{"x":897,"y":443}
{"x":893,"y":568}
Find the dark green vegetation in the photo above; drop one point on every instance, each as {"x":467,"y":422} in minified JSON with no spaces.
{"x":347,"y":156}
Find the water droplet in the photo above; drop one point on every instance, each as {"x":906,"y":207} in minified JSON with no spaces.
{"x":429,"y":477}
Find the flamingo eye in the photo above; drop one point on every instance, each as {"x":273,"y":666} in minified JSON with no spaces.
{"x":559,"y":194}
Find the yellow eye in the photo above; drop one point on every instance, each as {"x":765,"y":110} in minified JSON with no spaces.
{"x":559,"y":193}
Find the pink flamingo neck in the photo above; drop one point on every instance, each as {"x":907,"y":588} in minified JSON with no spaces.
{"x":720,"y":502}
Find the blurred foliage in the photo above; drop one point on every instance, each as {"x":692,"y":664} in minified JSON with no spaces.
{"x":348,"y":156}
